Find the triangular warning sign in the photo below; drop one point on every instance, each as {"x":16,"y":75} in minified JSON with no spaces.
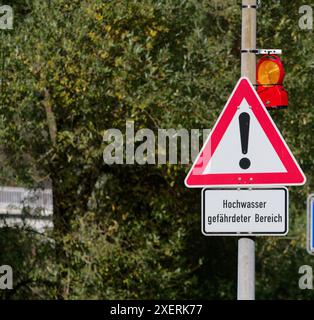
{"x":245,"y":147}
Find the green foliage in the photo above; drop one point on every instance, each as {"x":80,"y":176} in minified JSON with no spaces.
{"x":77,"y":68}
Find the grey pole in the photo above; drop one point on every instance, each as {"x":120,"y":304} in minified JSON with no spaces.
{"x":246,"y":246}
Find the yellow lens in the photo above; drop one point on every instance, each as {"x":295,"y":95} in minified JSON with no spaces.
{"x":268,"y":73}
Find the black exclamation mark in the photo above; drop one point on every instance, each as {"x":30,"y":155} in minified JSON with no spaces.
{"x":244,"y":122}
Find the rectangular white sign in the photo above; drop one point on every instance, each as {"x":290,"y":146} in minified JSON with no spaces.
{"x":310,"y":224}
{"x":234,"y":212}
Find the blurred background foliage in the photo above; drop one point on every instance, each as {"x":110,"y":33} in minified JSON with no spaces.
{"x":74,"y":69}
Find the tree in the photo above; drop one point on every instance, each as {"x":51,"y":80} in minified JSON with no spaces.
{"x":77,"y":68}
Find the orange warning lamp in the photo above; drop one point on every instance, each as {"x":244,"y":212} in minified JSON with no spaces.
{"x":270,"y":75}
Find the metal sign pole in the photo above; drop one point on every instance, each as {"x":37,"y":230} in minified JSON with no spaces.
{"x":246,"y":246}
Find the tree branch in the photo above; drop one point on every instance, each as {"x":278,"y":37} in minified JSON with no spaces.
{"x":51,"y":120}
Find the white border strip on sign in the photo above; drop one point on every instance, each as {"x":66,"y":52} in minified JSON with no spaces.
{"x":247,"y":234}
{"x":310,"y":230}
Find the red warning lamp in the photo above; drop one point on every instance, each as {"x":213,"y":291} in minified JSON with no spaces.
{"x":270,"y":75}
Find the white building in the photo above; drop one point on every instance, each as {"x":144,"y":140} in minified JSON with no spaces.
{"x":24,"y":207}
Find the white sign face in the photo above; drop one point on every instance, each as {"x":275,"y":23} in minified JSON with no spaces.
{"x":234,"y":212}
{"x":262,"y":155}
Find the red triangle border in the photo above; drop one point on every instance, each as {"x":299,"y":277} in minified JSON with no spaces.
{"x":294,"y":174}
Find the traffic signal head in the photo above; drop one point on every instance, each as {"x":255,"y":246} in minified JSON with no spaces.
{"x":270,"y":75}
